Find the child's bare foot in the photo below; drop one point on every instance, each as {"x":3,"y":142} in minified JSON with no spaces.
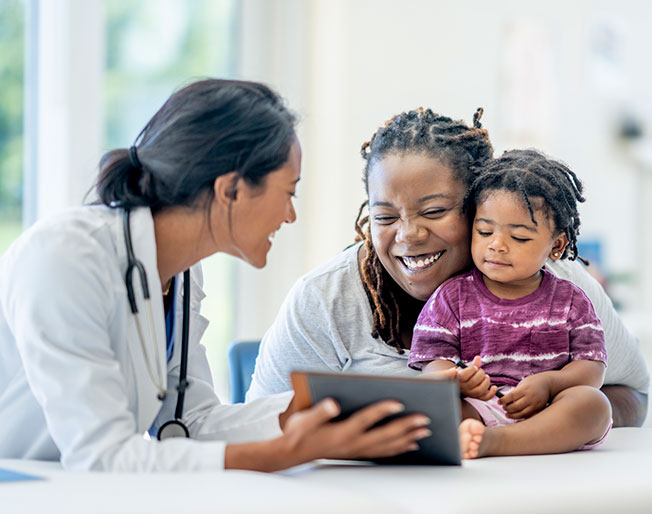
{"x":471,"y":432}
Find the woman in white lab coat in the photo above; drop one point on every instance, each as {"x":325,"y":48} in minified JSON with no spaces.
{"x":82,"y":378}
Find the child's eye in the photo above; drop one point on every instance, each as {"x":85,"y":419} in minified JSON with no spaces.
{"x":521,"y":239}
{"x":483,"y":233}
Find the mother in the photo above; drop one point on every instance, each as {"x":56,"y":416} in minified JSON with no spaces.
{"x":356,"y":312}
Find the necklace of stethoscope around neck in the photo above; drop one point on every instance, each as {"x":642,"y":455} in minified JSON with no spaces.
{"x":175,"y":427}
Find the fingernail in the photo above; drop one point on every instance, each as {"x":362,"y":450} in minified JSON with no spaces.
{"x":397,"y":407}
{"x":424,"y":432}
{"x":422,"y":420}
{"x":331,"y":407}
{"x":413,"y":447}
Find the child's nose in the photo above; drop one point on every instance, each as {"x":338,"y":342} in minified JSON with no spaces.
{"x":498,"y":243}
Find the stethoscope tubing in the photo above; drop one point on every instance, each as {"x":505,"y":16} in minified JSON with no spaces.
{"x":135,"y":264}
{"x":185,"y":333}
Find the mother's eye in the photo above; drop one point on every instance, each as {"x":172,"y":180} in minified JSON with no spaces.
{"x":433,"y":213}
{"x":384,"y":220}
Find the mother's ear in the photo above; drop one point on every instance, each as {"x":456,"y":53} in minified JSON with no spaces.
{"x":225,"y":188}
{"x":558,"y":246}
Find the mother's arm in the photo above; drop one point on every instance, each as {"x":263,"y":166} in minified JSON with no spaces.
{"x":627,"y":378}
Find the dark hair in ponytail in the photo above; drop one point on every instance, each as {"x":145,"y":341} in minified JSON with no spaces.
{"x":204,"y":130}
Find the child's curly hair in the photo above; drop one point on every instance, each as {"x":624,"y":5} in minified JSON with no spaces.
{"x":532,"y":174}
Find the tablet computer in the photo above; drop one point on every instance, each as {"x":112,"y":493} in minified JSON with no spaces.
{"x":438,"y":399}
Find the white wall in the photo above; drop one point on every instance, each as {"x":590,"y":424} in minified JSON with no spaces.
{"x":556,"y":75}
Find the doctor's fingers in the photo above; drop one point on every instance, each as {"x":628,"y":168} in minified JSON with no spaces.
{"x":314,"y":417}
{"x":396,"y":437}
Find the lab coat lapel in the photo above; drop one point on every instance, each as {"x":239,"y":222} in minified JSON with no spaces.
{"x":144,"y":245}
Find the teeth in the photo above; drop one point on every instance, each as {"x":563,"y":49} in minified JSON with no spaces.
{"x":416,"y":264}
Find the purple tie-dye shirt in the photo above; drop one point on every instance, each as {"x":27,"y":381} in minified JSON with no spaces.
{"x":543,"y":331}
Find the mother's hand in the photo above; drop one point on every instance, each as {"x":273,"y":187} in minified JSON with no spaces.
{"x":311,"y":435}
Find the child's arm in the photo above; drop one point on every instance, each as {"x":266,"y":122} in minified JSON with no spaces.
{"x":473,"y":381}
{"x":533,"y":393}
{"x":575,"y":373}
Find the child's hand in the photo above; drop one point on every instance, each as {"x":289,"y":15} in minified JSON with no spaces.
{"x":474,"y":382}
{"x":530,"y":396}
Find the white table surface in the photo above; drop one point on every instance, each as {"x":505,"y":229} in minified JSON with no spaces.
{"x":617,"y":478}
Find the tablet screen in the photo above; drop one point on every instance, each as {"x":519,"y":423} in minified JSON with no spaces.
{"x":437,"y":399}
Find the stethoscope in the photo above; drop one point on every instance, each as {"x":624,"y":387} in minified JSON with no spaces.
{"x":175,"y":427}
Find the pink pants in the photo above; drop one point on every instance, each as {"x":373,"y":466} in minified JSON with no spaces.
{"x":494,"y":415}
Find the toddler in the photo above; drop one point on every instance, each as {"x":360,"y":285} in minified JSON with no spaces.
{"x":514,"y":328}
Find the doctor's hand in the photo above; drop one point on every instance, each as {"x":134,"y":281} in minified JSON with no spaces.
{"x":310,"y":435}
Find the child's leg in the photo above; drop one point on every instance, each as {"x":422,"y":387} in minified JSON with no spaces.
{"x":576,"y":416}
{"x":468,"y":411}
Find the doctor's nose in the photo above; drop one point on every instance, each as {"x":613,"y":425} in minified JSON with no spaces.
{"x":292,"y":214}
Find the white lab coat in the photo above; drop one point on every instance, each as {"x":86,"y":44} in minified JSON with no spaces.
{"x":74,"y":384}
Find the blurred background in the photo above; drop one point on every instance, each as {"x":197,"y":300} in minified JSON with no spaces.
{"x":79,"y":77}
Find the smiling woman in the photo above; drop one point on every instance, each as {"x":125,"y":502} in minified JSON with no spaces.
{"x":356,"y":312}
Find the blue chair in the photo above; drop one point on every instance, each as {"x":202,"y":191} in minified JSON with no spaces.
{"x":242,"y":361}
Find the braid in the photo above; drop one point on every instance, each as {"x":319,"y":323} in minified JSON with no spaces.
{"x":532,"y":174}
{"x":462,"y":148}
{"x":521,"y":187}
{"x":384,"y":305}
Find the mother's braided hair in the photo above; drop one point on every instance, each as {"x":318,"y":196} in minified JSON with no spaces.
{"x":420,"y":131}
{"x":533,"y":175}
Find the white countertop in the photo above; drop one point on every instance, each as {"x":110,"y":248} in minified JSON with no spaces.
{"x":616,"y":478}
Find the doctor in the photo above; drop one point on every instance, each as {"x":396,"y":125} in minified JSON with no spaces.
{"x":100,"y":322}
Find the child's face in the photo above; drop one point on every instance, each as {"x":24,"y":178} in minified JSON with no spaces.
{"x":506,"y":246}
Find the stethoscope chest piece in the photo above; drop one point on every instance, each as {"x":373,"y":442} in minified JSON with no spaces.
{"x":172,"y":428}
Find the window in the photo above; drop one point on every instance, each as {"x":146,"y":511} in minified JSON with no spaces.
{"x":12,"y":26}
{"x":152,"y":48}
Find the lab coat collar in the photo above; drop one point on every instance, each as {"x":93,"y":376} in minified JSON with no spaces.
{"x":144,"y":245}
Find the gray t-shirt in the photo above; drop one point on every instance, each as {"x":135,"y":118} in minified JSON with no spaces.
{"x":325,"y":324}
